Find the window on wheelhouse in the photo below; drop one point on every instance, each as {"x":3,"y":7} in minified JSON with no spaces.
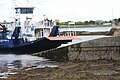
{"x":25,"y":10}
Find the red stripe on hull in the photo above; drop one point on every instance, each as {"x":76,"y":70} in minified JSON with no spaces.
{"x":64,"y":38}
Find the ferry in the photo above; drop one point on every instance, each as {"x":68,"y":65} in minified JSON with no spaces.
{"x":27,"y":36}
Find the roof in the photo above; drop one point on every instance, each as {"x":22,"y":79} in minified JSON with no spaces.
{"x":24,"y":5}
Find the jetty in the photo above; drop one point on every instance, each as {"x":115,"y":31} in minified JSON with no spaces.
{"x":102,"y":48}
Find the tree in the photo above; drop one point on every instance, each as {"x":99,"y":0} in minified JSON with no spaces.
{"x":86,"y":22}
{"x":79,"y":23}
{"x":91,"y":22}
{"x":118,"y":19}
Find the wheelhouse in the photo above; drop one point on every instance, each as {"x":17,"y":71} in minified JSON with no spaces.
{"x":24,"y":10}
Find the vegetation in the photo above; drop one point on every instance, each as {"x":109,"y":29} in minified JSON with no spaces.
{"x":116,"y":21}
{"x":85,"y":23}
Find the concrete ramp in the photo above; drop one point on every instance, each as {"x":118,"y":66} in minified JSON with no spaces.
{"x":103,"y":48}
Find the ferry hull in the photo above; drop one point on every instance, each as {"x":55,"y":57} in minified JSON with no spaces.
{"x":33,"y":47}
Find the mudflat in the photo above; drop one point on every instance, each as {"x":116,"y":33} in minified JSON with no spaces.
{"x":84,"y":70}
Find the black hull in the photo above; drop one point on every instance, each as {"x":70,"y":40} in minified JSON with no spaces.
{"x":37,"y":46}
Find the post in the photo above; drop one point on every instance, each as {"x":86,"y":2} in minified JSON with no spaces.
{"x":75,"y":30}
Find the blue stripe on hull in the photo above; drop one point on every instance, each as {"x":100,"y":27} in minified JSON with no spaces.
{"x":32,"y":47}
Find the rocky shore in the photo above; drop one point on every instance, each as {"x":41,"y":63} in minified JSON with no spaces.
{"x":84,"y":70}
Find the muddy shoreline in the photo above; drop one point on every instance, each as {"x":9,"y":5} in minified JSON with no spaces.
{"x":84,"y":70}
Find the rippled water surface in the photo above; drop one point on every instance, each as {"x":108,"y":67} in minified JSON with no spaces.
{"x":9,"y":62}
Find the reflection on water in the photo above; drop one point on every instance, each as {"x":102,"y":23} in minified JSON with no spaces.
{"x":10,"y":62}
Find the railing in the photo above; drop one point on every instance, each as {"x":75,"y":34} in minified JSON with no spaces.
{"x":43,"y":24}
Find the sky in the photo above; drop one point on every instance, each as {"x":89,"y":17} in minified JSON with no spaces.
{"x":68,"y":10}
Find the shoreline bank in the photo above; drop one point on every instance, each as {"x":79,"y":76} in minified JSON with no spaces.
{"x":84,"y":70}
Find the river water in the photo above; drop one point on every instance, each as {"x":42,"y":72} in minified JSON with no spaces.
{"x":10,"y":62}
{"x":90,"y":29}
{"x":86,"y":37}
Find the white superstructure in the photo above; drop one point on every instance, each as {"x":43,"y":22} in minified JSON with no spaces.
{"x":24,"y":18}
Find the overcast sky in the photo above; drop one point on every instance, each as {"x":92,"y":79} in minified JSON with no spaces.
{"x":69,"y":10}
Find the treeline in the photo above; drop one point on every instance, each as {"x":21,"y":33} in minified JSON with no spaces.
{"x":116,"y":21}
{"x":78,"y":23}
{"x":91,"y":22}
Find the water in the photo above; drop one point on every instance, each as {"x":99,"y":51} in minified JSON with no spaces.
{"x":86,"y":38}
{"x":90,"y":29}
{"x":10,"y":62}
